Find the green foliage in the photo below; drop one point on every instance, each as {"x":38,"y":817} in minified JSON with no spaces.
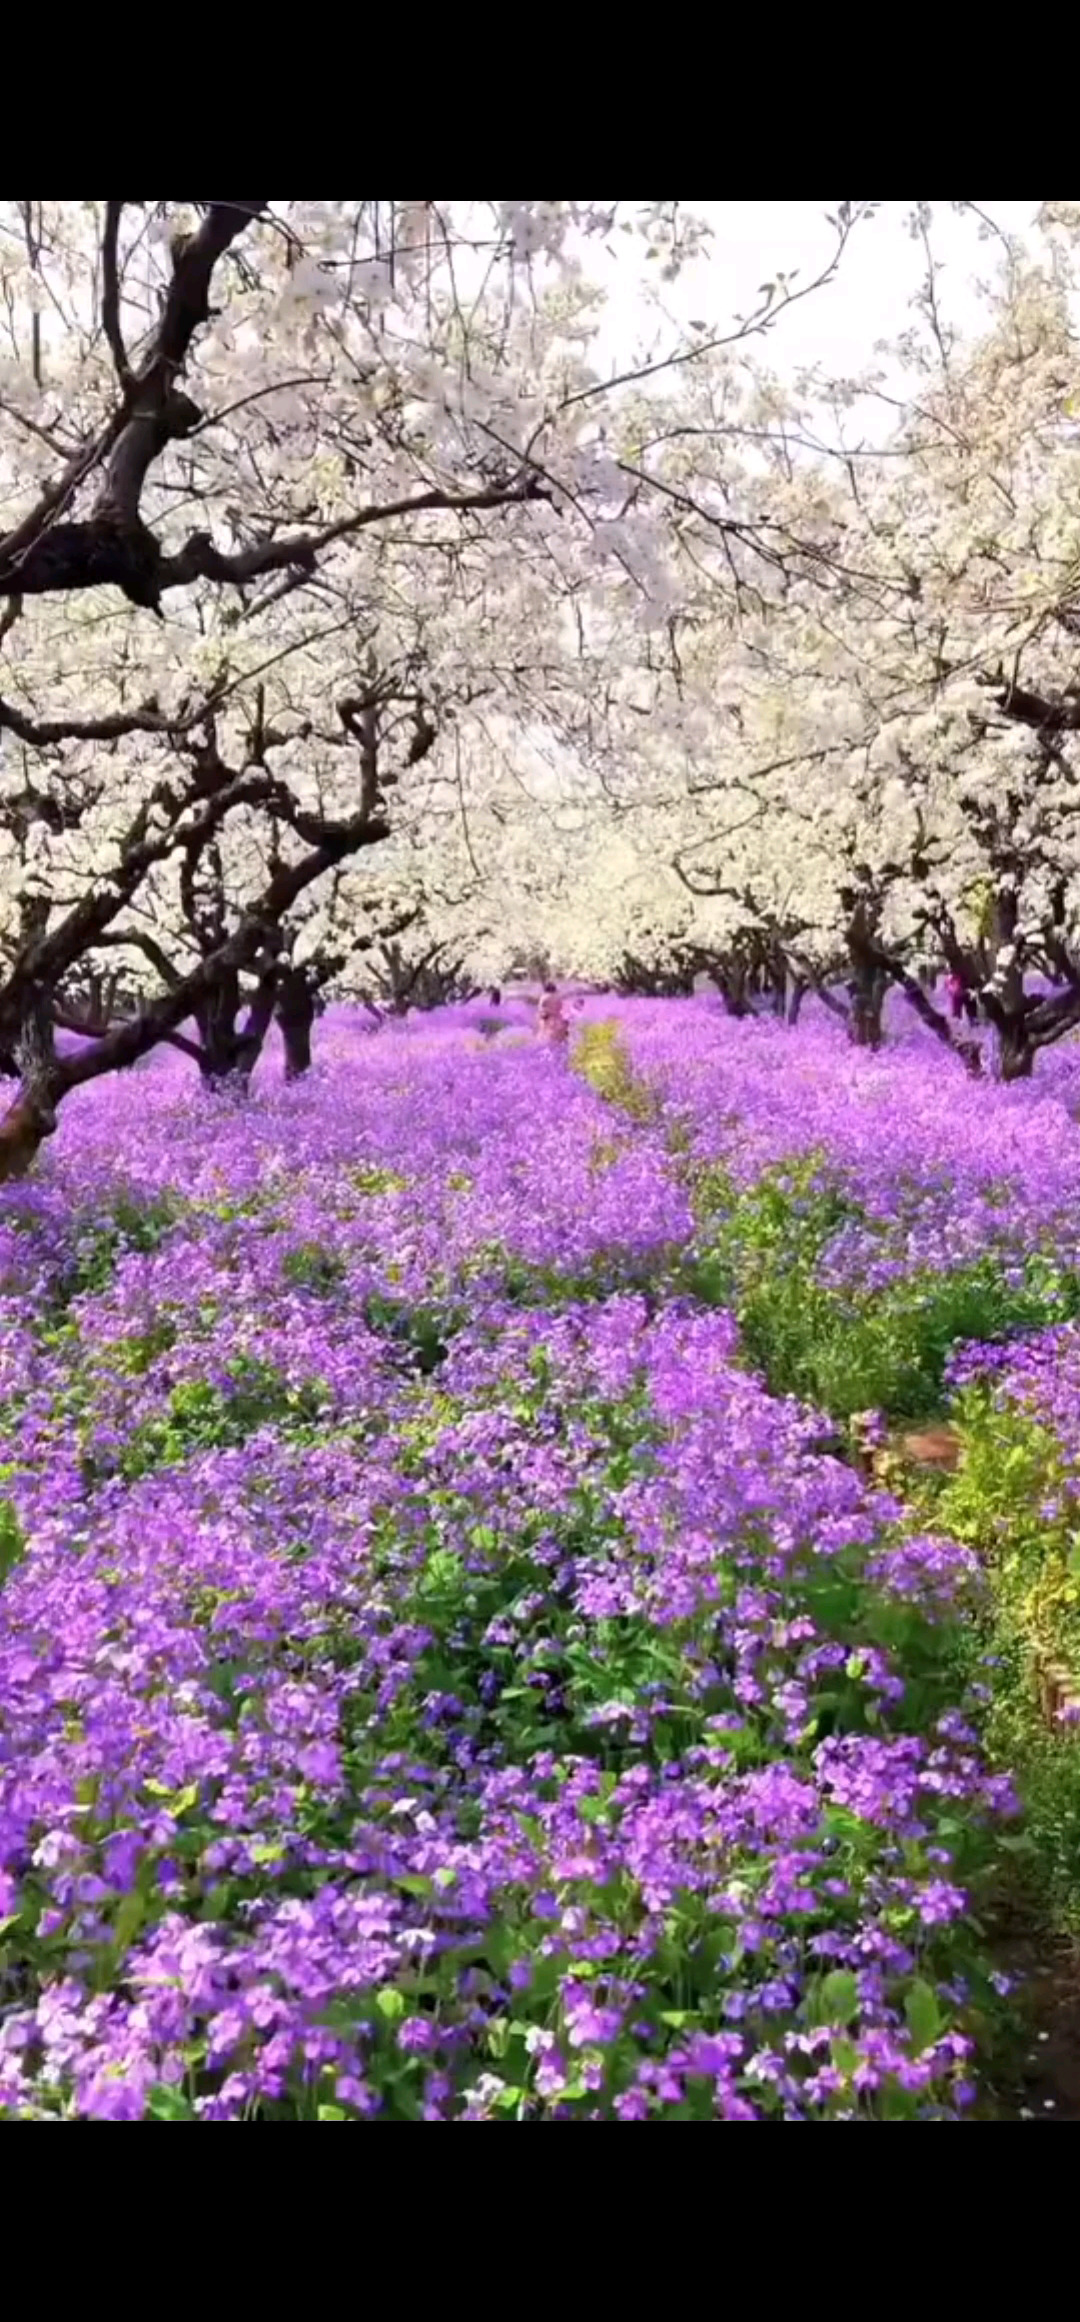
{"x":311,"y":1267}
{"x":127,"y":1225}
{"x":601,"y":1059}
{"x":886,"y":1349}
{"x":844,"y":1351}
{"x":528,"y":1282}
{"x":421,"y":1333}
{"x":200,"y":1416}
{"x":1009,"y":1499}
{"x":369,"y":1178}
{"x":12,"y":1543}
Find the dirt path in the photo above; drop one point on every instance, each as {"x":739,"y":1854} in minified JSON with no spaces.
{"x":1043,"y":2080}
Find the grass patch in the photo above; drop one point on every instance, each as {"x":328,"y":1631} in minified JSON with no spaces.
{"x":127,"y":1225}
{"x":200,"y":1416}
{"x":599,"y":1056}
{"x":1010,"y":1499}
{"x":846,"y":1351}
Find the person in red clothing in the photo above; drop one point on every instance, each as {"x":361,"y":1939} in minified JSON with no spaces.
{"x":551,"y":1024}
{"x":962,"y":1003}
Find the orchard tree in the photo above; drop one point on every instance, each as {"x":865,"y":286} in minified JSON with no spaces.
{"x":256,"y":460}
{"x":915,"y":712}
{"x":178,"y":934}
{"x":855,"y":727}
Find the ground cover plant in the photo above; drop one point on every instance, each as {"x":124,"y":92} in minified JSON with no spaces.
{"x":445,"y":1670}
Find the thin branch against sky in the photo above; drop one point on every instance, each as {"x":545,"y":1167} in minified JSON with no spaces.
{"x":840,"y":328}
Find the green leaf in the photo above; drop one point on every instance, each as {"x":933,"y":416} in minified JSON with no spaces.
{"x":839,"y":1996}
{"x":330,"y":2112}
{"x":923,"y":2015}
{"x":129,"y":1918}
{"x":390,"y":2003}
{"x":12,"y":1544}
{"x":897,"y":2103}
{"x":167,"y":2103}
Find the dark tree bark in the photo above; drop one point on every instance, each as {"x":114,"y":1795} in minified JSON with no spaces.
{"x":732,"y":990}
{"x":867,"y":1006}
{"x":795,"y":994}
{"x":219,"y":1045}
{"x":113,"y":544}
{"x":32,"y":1116}
{"x":1016,"y":1056}
{"x":294,"y":1011}
{"x":1009,"y":1007}
{"x":229,"y":1049}
{"x":869,"y":978}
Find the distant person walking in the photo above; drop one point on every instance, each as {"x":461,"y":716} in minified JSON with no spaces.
{"x":551,"y":1025}
{"x":961,"y":1001}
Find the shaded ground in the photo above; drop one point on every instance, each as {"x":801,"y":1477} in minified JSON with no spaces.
{"x":1041,"y":2081}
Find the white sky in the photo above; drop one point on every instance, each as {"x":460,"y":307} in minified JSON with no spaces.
{"x":839,"y":326}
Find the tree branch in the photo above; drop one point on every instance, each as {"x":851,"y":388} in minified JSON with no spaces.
{"x":1051,"y":1018}
{"x":136,"y":939}
{"x":41,"y":733}
{"x":1035,"y":709}
{"x":115,"y":549}
{"x":110,"y":296}
{"x":187,"y":1047}
{"x":200,"y":560}
{"x":127,"y":1042}
{"x":49,"y":958}
{"x":114,"y":546}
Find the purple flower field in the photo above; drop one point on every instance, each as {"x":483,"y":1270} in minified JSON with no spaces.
{"x":441,"y":1678}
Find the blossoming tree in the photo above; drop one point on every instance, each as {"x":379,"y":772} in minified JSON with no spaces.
{"x":862,"y":733}
{"x":266,"y":472}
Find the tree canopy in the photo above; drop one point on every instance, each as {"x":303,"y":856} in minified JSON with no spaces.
{"x":349,"y":599}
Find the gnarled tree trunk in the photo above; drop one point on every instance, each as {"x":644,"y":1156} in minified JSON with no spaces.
{"x":294,"y":1011}
{"x":23,"y":1130}
{"x":228,"y":1051}
{"x":1009,"y":1005}
{"x":731,"y":983}
{"x":32,"y":1115}
{"x":225,"y":1060}
{"x":865,"y":1028}
{"x":1015,"y":1058}
{"x":795,"y":990}
{"x":869,"y":979}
